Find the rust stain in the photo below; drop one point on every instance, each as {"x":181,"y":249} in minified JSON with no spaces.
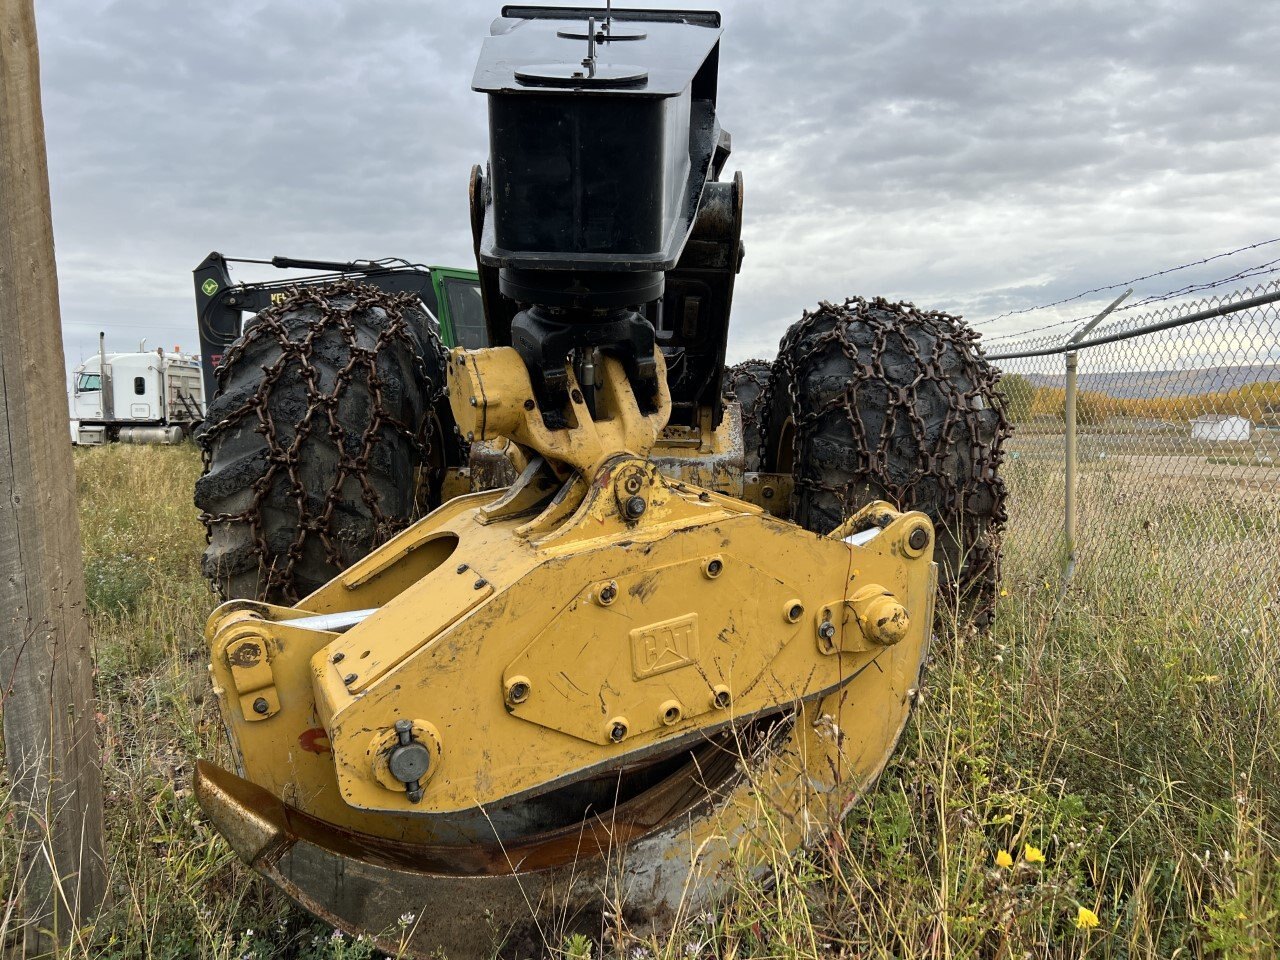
{"x":245,"y":655}
{"x":315,"y":740}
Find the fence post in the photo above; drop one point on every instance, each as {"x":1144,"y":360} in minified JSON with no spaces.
{"x":46,"y":667}
{"x":1069,"y":515}
{"x":1069,"y":414}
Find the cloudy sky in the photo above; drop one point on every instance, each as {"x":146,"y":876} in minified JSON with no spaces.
{"x":974,"y":156}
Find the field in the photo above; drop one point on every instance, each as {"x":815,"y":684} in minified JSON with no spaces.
{"x":1098,"y":776}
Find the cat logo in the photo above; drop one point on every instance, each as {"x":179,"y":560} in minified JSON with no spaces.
{"x":665,"y":645}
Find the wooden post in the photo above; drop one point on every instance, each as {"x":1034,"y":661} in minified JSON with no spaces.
{"x":46,"y":667}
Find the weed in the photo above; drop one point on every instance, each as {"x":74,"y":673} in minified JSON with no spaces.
{"x":1119,"y":743}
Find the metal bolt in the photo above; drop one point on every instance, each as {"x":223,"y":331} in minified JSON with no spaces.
{"x":339,"y":657}
{"x":463,"y":568}
{"x":349,"y":679}
{"x":576,"y":396}
{"x":795,"y":611}
{"x":409,"y":761}
{"x":608,"y":593}
{"x":722,"y":699}
{"x":767,"y":493}
{"x":919,"y":538}
{"x":481,"y":583}
{"x":529,"y":404}
{"x":472,"y":401}
{"x":518,"y":692}
{"x":827,"y":630}
{"x":618,"y":732}
{"x":260,"y":705}
{"x":635,"y":508}
{"x":714,"y":568}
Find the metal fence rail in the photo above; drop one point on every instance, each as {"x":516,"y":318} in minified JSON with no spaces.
{"x":1162,"y":427}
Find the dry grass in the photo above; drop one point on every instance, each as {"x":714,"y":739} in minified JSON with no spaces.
{"x":1127,"y":732}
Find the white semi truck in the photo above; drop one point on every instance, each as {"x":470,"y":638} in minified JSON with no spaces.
{"x":144,"y":397}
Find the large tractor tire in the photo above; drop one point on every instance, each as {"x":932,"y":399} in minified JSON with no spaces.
{"x":745,"y":383}
{"x":871,"y":400}
{"x":329,"y":428}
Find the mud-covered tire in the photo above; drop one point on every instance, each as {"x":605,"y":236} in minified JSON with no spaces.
{"x":745,"y":383}
{"x":330,"y":416}
{"x":871,"y":400}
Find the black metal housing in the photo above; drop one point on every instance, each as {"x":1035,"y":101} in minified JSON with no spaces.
{"x":594,"y":181}
{"x":603,"y":153}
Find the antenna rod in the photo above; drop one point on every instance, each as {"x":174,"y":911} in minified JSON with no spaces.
{"x":590,"y":61}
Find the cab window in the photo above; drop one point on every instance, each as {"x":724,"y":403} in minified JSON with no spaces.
{"x":139,"y":385}
{"x":88,"y":381}
{"x":466,"y":310}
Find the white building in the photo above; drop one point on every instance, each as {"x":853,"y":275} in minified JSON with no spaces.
{"x":1221,"y":426}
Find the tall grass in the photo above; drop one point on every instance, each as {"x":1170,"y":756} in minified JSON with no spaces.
{"x":1117,"y":744}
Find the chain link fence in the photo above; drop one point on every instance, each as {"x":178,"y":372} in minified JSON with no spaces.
{"x":1171,"y":476}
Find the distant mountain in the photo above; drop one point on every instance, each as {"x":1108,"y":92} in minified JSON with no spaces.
{"x":1146,"y":384}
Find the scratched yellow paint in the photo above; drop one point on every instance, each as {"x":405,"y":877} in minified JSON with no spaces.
{"x":622,"y":625}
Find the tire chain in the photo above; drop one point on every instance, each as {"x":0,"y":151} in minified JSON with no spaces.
{"x":980,"y":534}
{"x":748,"y":370}
{"x":322,"y":408}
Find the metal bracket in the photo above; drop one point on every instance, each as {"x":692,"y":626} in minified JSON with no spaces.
{"x":249,"y":661}
{"x":772,"y":491}
{"x":491,"y":395}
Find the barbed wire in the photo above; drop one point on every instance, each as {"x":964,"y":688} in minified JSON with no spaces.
{"x":1154,"y":321}
{"x":1124,"y":283}
{"x":1261,"y":270}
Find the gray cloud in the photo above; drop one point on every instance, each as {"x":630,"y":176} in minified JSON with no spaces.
{"x":977,"y":157}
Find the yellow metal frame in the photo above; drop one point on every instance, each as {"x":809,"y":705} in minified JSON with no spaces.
{"x":623,"y":640}
{"x":605,"y":610}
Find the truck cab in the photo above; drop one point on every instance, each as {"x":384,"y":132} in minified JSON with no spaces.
{"x":144,"y":397}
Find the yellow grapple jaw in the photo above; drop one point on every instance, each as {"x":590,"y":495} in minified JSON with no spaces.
{"x":519,"y":647}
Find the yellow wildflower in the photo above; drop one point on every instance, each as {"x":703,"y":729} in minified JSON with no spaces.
{"x":1086,"y":919}
{"x":151,"y":559}
{"x":1003,"y":859}
{"x":1004,"y":593}
{"x":1032,"y":854}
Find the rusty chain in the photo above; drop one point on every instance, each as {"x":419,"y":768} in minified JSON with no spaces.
{"x":744,"y":384}
{"x":755,"y":371}
{"x":335,"y":305}
{"x":972,"y":506}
